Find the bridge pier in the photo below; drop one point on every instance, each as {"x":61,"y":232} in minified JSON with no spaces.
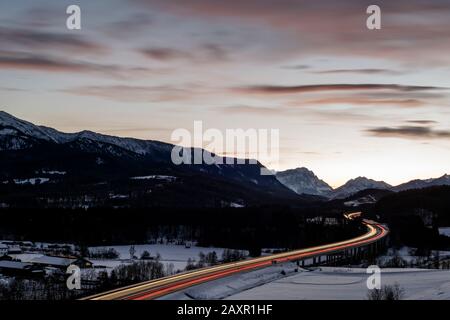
{"x":346,"y":256}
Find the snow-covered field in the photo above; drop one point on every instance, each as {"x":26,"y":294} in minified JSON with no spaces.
{"x":325,"y":283}
{"x":177,"y":255}
{"x":444,"y":231}
{"x":407,"y":254}
{"x":350,"y":284}
{"x":170,"y":254}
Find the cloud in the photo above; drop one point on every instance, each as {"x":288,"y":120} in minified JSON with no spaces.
{"x":207,"y":52}
{"x":135,"y":94}
{"x":31,"y":39}
{"x":17,"y":60}
{"x":356,"y":100}
{"x":347,"y":95}
{"x":359,"y":71}
{"x":8,"y":89}
{"x":40,"y":15}
{"x":291,"y":107}
{"x":296,"y":67}
{"x":424,"y":122}
{"x":340,"y":26}
{"x":245,"y":109}
{"x":129,"y":26}
{"x":165,"y":54}
{"x":409,"y":132}
{"x":139,"y":130}
{"x":273,"y":89}
{"x":35,"y":62}
{"x":361,"y":101}
{"x":213,"y":51}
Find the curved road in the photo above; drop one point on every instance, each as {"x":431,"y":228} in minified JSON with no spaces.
{"x":163,"y":286}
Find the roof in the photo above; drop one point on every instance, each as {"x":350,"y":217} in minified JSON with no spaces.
{"x":25,"y":257}
{"x":14,"y":265}
{"x":3,"y":246}
{"x":53,"y":261}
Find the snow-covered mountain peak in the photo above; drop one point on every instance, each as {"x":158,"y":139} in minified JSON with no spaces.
{"x":23,"y":127}
{"x":358,"y":184}
{"x":10,"y":125}
{"x":304,"y":181}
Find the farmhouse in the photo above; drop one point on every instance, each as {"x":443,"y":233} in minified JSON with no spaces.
{"x":60,"y":262}
{"x":3,"y":249}
{"x":14,"y":268}
{"x":14,"y":250}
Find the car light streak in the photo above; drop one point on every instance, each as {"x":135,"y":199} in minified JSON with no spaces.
{"x":163,"y":286}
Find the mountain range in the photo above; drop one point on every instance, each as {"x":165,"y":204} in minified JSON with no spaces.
{"x":41,"y":166}
{"x":72,"y":167}
{"x":304,"y":181}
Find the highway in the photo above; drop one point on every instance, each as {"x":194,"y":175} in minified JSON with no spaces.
{"x":157,"y":288}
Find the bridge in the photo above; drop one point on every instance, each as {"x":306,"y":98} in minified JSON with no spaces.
{"x":366,"y":245}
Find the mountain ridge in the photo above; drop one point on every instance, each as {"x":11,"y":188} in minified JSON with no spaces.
{"x":89,"y":158}
{"x":352,"y":186}
{"x":17,"y":135}
{"x":304,"y":181}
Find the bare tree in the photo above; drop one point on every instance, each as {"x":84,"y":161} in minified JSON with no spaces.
{"x":387,"y":292}
{"x":132,"y":252}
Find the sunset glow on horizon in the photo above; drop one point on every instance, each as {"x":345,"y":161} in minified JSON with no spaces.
{"x":347,"y":101}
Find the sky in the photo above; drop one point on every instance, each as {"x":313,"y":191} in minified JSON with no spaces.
{"x":347,"y":101}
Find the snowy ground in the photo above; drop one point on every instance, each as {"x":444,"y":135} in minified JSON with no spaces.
{"x":26,"y":257}
{"x":407,"y":254}
{"x":171,"y":254}
{"x":222,"y":288}
{"x":350,"y":284}
{"x":444,"y":231}
{"x":325,"y":283}
{"x":177,"y":255}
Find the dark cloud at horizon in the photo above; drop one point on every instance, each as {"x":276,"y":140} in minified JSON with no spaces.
{"x":409,"y":132}
{"x":297,"y":67}
{"x":134,"y":94}
{"x":165,"y":54}
{"x":128,"y":26}
{"x":424,"y":122}
{"x":207,"y":52}
{"x":359,"y":71}
{"x":45,"y":63}
{"x":247,"y":109}
{"x":32,"y":40}
{"x":275,"y":89}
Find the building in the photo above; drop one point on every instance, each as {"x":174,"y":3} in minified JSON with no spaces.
{"x":3,"y":249}
{"x":60,"y":262}
{"x":83,"y":263}
{"x":14,"y":250}
{"x":6,"y":258}
{"x":14,"y":268}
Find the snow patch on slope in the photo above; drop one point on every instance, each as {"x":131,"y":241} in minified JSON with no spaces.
{"x":222,"y":288}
